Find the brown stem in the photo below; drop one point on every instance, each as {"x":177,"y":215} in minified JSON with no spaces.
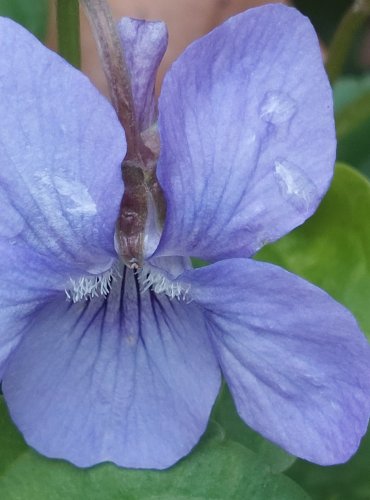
{"x":139,"y":165}
{"x":115,"y":69}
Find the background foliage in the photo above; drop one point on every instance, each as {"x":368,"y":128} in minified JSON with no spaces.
{"x":32,"y":15}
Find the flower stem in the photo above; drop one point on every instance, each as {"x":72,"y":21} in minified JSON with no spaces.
{"x":143,"y":195}
{"x":116,"y":72}
{"x":341,"y":44}
{"x":68,"y":23}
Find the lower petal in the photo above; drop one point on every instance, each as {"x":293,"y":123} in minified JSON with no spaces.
{"x":295,"y":360}
{"x":129,"y":379}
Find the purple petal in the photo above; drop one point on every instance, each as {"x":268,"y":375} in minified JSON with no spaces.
{"x":16,"y":304}
{"x":130,"y":379}
{"x":27,"y":280}
{"x":247,"y":135}
{"x":144,"y":43}
{"x":295,"y":360}
{"x":61,"y":146}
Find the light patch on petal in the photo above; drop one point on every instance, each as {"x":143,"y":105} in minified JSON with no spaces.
{"x":77,"y":195}
{"x":295,"y":186}
{"x":278,"y":107}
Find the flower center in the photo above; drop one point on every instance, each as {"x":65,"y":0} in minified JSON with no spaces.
{"x":154,"y":279}
{"x":88,"y":287}
{"x":149,"y":278}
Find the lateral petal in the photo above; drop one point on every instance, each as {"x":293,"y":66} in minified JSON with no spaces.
{"x":61,"y":146}
{"x":295,"y":360}
{"x":247,"y":135}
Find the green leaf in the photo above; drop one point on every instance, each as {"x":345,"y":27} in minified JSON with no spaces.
{"x":11,"y":443}
{"x":68,"y":27}
{"x":217,"y":469}
{"x":352,"y":114}
{"x":332,"y":249}
{"x":347,"y":89}
{"x":354,"y":148}
{"x":198,"y":262}
{"x":350,"y":481}
{"x":33,"y":14}
{"x":226,"y":415}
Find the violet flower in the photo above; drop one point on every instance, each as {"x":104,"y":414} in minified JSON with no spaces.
{"x":126,"y":368}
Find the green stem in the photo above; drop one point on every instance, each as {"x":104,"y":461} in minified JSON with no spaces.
{"x":341,"y":44}
{"x":68,"y":25}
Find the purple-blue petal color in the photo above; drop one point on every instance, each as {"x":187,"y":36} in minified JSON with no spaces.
{"x":56,"y":216}
{"x":101,"y":364}
{"x":26,"y":283}
{"x":144,"y":44}
{"x":129,"y":379}
{"x":295,"y":360}
{"x":61,"y":146}
{"x":247,"y":135}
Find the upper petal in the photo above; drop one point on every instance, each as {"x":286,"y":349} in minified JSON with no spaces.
{"x":144,"y":43}
{"x":295,"y":360}
{"x":61,"y":146}
{"x":247,"y":135}
{"x":129,"y":379}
